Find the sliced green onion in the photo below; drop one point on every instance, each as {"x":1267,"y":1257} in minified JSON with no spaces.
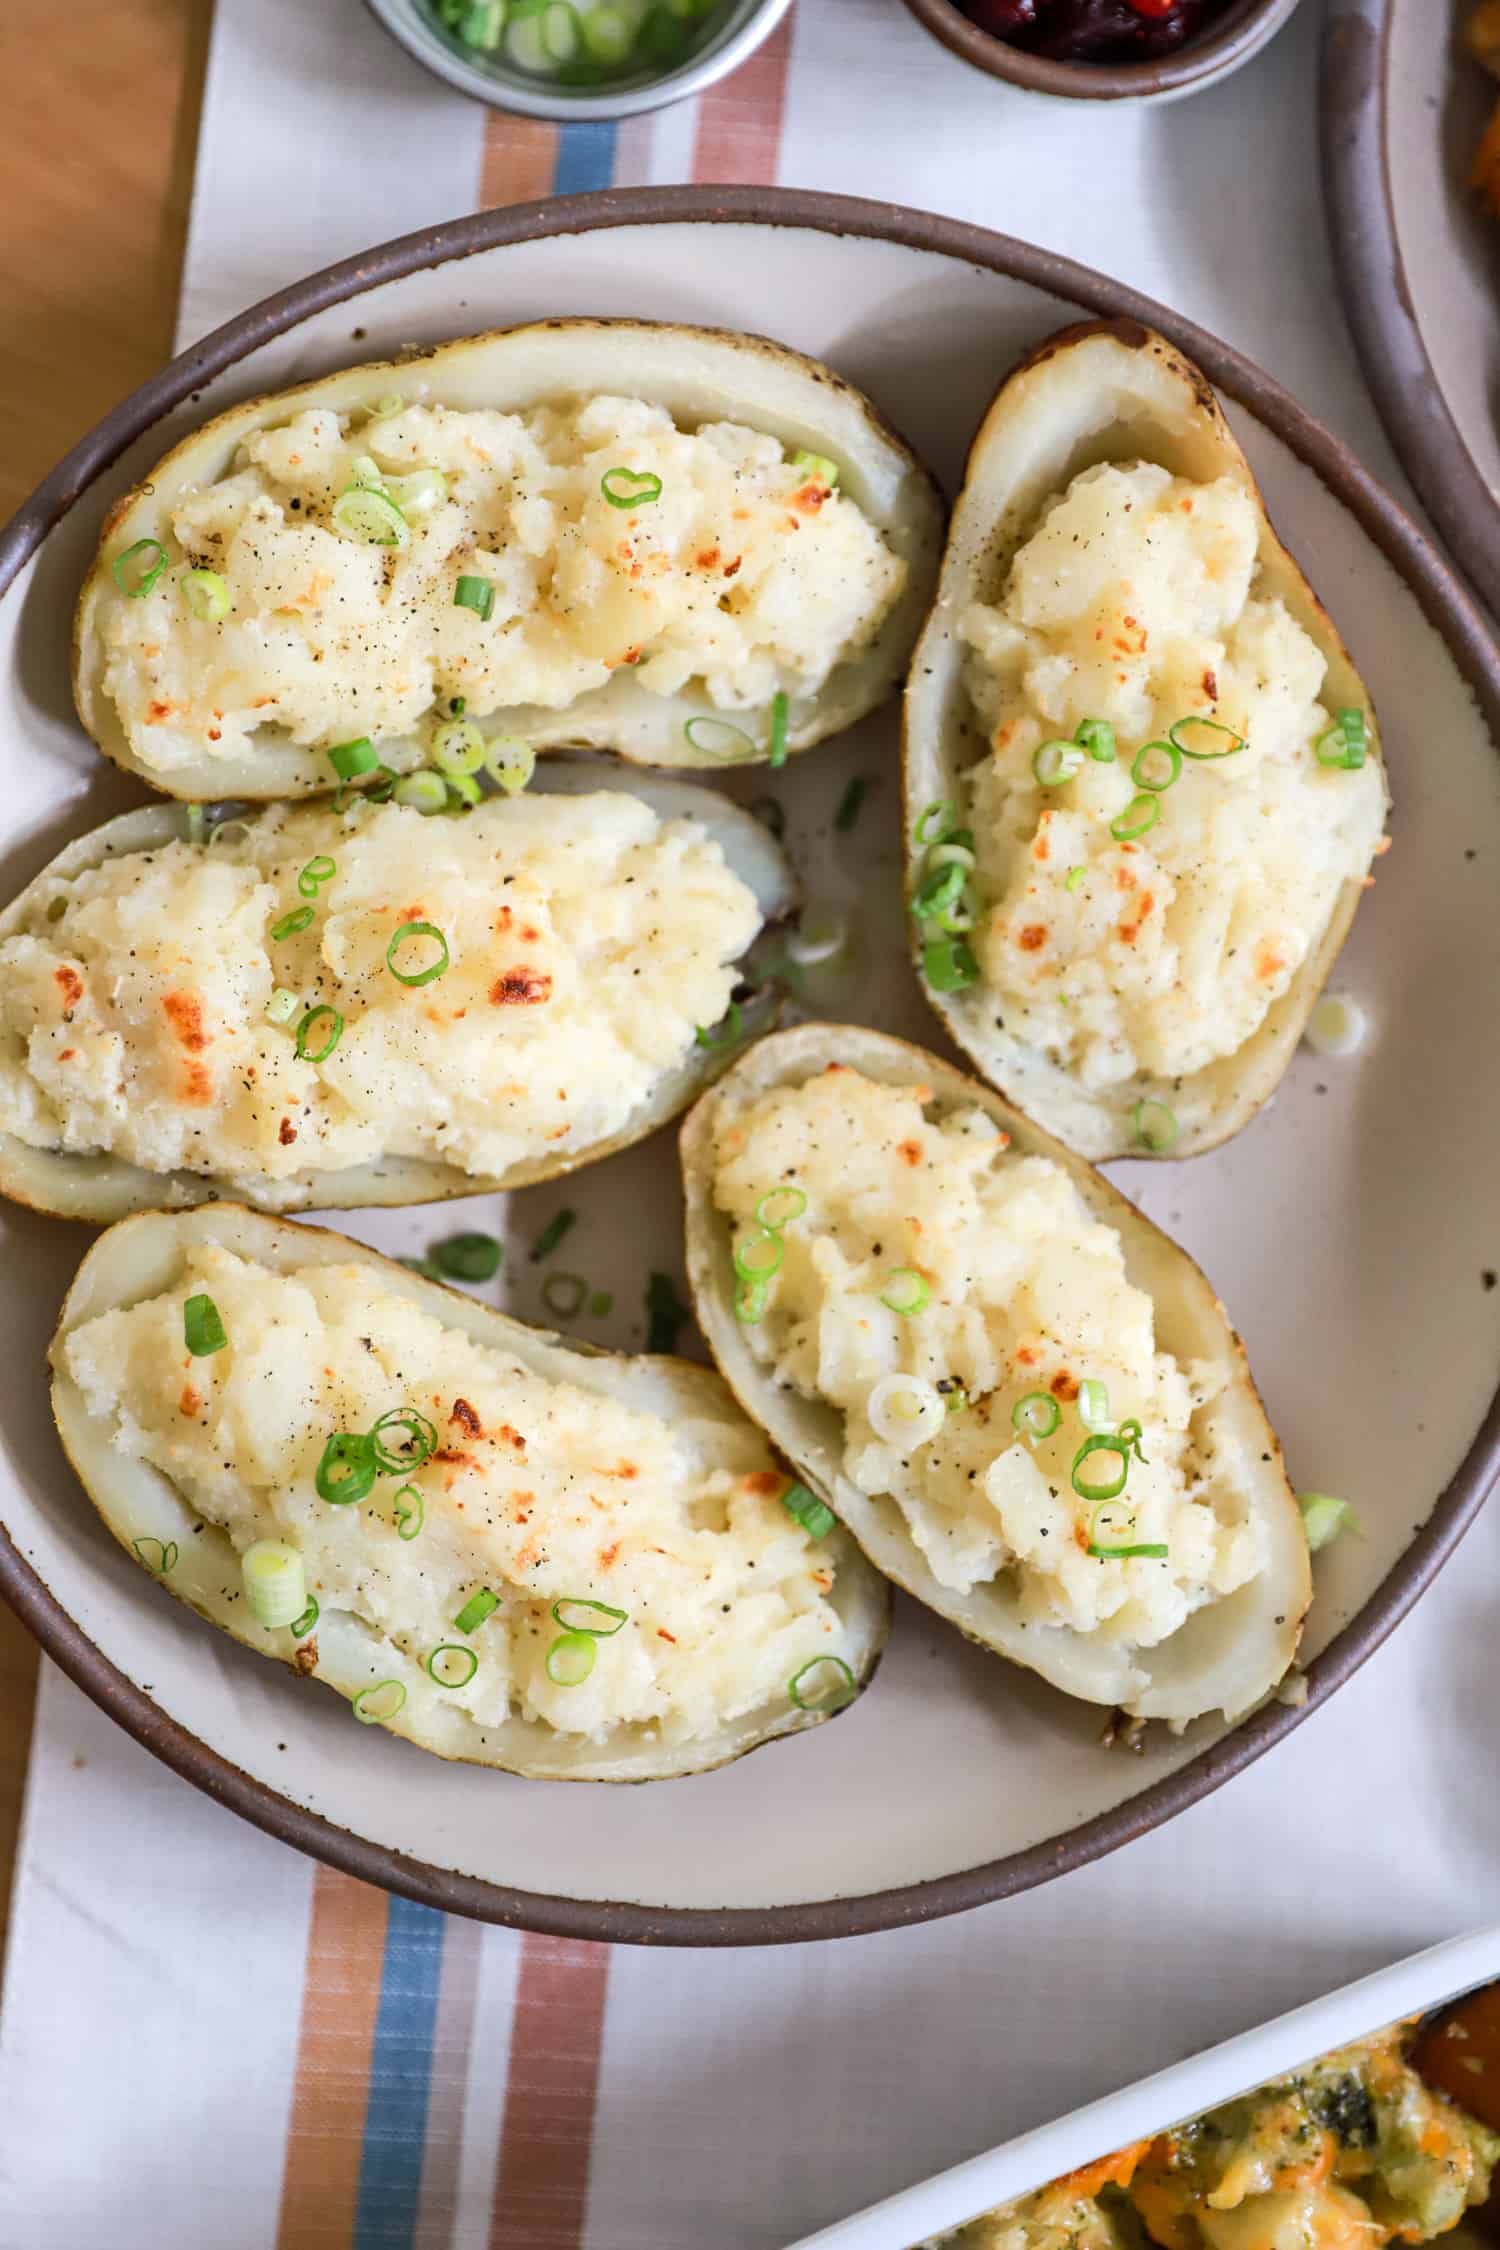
{"x":299,"y":919}
{"x":804,"y":1507}
{"x":275,"y":1581}
{"x":932,"y":825}
{"x":476,"y":1609}
{"x":477,"y":594}
{"x":849,"y":804}
{"x":451,"y":1665}
{"x":1345,"y":743}
{"x":480,"y":24}
{"x":839,"y":1689}
{"x":468,"y":1257}
{"x":937,"y":891}
{"x":202,"y":1329}
{"x":1337,"y":1025}
{"x":906,"y":1292}
{"x":388,"y":403}
{"x":779,"y":1206}
{"x":728,"y":1032}
{"x":138,"y":582}
{"x":1056,"y":762}
{"x":1035,"y":1416}
{"x":759,"y":1255}
{"x":1141,"y":813}
{"x":422,"y":792}
{"x":457,"y":747}
{"x":1235,"y":741}
{"x":1156,"y":1126}
{"x":410,"y":1512}
{"x":317,"y":871}
{"x":905,"y":1411}
{"x":347,"y":1470}
{"x":1130,"y":1434}
{"x":561,"y":1223}
{"x":955,"y":1398}
{"x":564,"y":1294}
{"x":665,"y":1313}
{"x":1156,"y":766}
{"x":407,"y":932}
{"x":1086,"y":1487}
{"x":601,"y":1302}
{"x":282,"y":1005}
{"x":301,"y":1626}
{"x":420,"y":1444}
{"x":510,"y":762}
{"x":605,"y":1632}
{"x":156,"y":1554}
{"x":630,"y":488}
{"x":810,"y":464}
{"x":718,"y":738}
{"x":227,"y":832}
{"x":381,"y":1701}
{"x":1123,"y":1554}
{"x":206,"y":595}
{"x":464,"y":793}
{"x":608,"y":35}
{"x":416,"y":494}
{"x":821,"y":935}
{"x":371,"y":517}
{"x":777,"y":743}
{"x":328,"y":1036}
{"x":949,"y":965}
{"x":1096,"y":736}
{"x":1073,"y":880}
{"x":951,"y":855}
{"x":1093,"y":1405}
{"x":349,"y":759}
{"x":571,"y":1658}
{"x":1324,"y":1518}
{"x":750,"y":1301}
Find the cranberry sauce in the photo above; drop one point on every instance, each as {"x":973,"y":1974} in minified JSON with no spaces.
{"x":1105,"y":31}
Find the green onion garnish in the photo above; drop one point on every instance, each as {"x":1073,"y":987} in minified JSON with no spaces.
{"x":423,"y":792}
{"x":156,"y":1554}
{"x":951,"y":854}
{"x":138,"y":582}
{"x":419,"y":1445}
{"x":750,"y":1300}
{"x":380,"y":1701}
{"x":906,"y":1292}
{"x":949,"y":965}
{"x":1096,"y":736}
{"x":779,"y":1206}
{"x":468,"y":1257}
{"x":839,"y":1690}
{"x":1073,"y":880}
{"x":759,"y":1255}
{"x":727,"y":1032}
{"x":938,"y":891}
{"x":1156,"y":766}
{"x":1130,"y":1434}
{"x":777,"y":744}
{"x":510,"y":762}
{"x":1141,"y":813}
{"x":422,"y":490}
{"x":347,"y":1470}
{"x":718,"y":738}
{"x":1093,"y":1405}
{"x":1215,"y":726}
{"x":601,"y":1302}
{"x":206,"y":595}
{"x":564,"y":1294}
{"x":1324,"y":1518}
{"x":552,"y":1233}
{"x":477,"y":594}
{"x":202,"y":1329}
{"x":327,"y":1026}
{"x":1155,"y":1126}
{"x":232,"y":832}
{"x":451,"y":1665}
{"x":480,"y":23}
{"x":1056,"y":762}
{"x":349,"y":759}
{"x":290,"y":924}
{"x":1035,"y":1416}
{"x":476,"y":1609}
{"x":372,"y":517}
{"x":404,"y":936}
{"x":275,"y":1582}
{"x":1123,"y":1554}
{"x":932,"y":825}
{"x":849,"y":804}
{"x":411,"y":1510}
{"x":464,"y":793}
{"x":301,"y":1626}
{"x":608,"y":35}
{"x":572,"y":1657}
{"x":1104,"y":1549}
{"x":804,"y":1507}
{"x":319,"y":870}
{"x":1086,"y":1487}
{"x":1345,"y":743}
{"x":630,"y":488}
{"x":665,"y":1313}
{"x":601,"y":1632}
{"x":806,"y":464}
{"x":457,"y":748}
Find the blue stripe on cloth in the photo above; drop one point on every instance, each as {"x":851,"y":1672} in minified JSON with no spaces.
{"x":585,"y":158}
{"x":390,"y":2170}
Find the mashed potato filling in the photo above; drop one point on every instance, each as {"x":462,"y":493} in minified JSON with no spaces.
{"x":1135,"y":602}
{"x":747,"y":575}
{"x":1026,"y":1293}
{"x":587,"y":940}
{"x":539,"y":1490}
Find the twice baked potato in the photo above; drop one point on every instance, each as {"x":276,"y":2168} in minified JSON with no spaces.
{"x":510,"y":1549}
{"x":1143,"y":780}
{"x":321,"y":1008}
{"x":1025,"y":1402}
{"x":678,"y":544}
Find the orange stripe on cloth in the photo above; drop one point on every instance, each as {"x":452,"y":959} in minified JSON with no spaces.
{"x":739,"y":120}
{"x":520,"y":154}
{"x":542,"y":2184}
{"x":340,"y":1998}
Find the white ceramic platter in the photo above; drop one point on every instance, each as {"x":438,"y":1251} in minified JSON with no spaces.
{"x":1347,"y":1228}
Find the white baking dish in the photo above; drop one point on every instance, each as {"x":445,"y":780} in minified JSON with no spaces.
{"x":1411,"y":1987}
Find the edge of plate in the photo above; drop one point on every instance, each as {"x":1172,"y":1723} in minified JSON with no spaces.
{"x":1448,"y":609}
{"x":1355,"y":155}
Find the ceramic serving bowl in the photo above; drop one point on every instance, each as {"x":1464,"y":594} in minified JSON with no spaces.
{"x":1238,"y":34}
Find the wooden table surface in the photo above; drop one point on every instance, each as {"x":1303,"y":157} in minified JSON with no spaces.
{"x":96,"y":173}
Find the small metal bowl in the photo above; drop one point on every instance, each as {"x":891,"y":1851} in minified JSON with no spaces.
{"x":738,"y":29}
{"x":1238,"y":34}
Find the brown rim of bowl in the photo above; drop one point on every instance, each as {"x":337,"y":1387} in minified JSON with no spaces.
{"x":1354,"y":102}
{"x":1447,"y":608}
{"x":1243,"y":27}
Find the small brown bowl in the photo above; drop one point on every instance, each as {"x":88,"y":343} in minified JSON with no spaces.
{"x":1232,"y":39}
